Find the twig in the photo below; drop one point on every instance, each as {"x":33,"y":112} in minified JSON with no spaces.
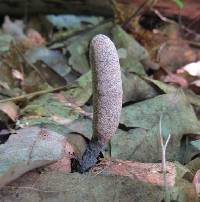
{"x":36,"y":189}
{"x":165,"y":19}
{"x":37,"y":93}
{"x":164,"y":168}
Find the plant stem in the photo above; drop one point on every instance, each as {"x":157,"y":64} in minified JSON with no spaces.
{"x":164,"y":167}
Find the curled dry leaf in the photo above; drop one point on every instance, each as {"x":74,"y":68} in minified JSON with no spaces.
{"x":10,"y":109}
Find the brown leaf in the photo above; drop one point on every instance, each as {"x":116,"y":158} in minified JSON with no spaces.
{"x":10,"y":109}
{"x":64,"y":164}
{"x":174,"y":78}
{"x":146,"y":172}
{"x":35,"y":37}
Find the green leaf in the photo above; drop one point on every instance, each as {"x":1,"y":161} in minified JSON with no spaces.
{"x":179,"y":3}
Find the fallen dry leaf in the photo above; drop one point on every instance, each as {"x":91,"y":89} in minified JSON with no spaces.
{"x":64,"y":164}
{"x":173,"y":56}
{"x":192,"y":68}
{"x":35,"y":37}
{"x":146,"y":172}
{"x":174,"y":78}
{"x":31,"y":148}
{"x":10,"y":109}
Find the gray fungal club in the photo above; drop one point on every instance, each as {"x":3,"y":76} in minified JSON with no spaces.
{"x":107,"y":97}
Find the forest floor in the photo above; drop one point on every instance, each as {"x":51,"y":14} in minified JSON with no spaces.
{"x":46,"y":105}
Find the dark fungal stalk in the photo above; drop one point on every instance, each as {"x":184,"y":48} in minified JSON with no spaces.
{"x":107,"y":97}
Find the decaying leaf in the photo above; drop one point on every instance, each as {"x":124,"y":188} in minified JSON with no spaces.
{"x":48,"y":110}
{"x":135,"y":53}
{"x":59,"y":186}
{"x":77,"y":46}
{"x":81,"y":94}
{"x":135,"y":88}
{"x":143,"y":144}
{"x":81,"y":126}
{"x":5,"y":40}
{"x":72,"y":21}
{"x":137,"y":138}
{"x":174,"y":78}
{"x":53,"y":58}
{"x":194,"y":165}
{"x":166,"y":88}
{"x":29,"y":148}
{"x":131,"y":53}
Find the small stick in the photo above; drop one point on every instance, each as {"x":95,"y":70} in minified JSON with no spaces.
{"x":37,"y":93}
{"x":164,"y":167}
{"x":165,"y":19}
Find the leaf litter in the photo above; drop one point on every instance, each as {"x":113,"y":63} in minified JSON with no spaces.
{"x":57,"y":124}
